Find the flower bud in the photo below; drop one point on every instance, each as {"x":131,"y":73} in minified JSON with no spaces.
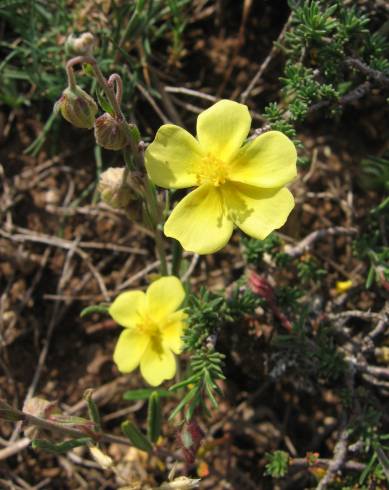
{"x":113,"y":190}
{"x":103,"y":460}
{"x":81,"y":45}
{"x":181,"y":483}
{"x":77,"y":107}
{"x":111,"y":133}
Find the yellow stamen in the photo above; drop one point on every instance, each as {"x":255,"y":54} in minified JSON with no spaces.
{"x":153,"y":331}
{"x":212,"y":170}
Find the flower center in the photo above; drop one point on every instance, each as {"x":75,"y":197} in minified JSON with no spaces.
{"x":212,"y":170}
{"x":151,"y":329}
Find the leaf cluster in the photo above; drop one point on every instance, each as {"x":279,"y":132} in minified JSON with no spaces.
{"x":278,"y":464}
{"x":309,"y":358}
{"x":207,"y":314}
{"x":322,"y":39}
{"x":372,"y":247}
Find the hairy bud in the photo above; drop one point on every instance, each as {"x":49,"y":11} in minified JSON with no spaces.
{"x":111,"y":133}
{"x":81,"y":45}
{"x":113,"y":190}
{"x":77,"y":107}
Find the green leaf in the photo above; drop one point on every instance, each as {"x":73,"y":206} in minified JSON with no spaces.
{"x":368,"y":469}
{"x":93,"y":410}
{"x":192,"y":379}
{"x":94,"y":309}
{"x":103,"y":103}
{"x":383,"y":459}
{"x":154,"y":417}
{"x":62,"y":447}
{"x":136,"y":437}
{"x":144,"y":394}
{"x":187,"y":398}
{"x":370,"y":277}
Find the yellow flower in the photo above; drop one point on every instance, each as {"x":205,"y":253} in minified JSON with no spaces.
{"x":153,"y":329}
{"x":343,"y":286}
{"x":237,"y":185}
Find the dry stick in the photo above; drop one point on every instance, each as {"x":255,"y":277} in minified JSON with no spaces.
{"x":189,"y":91}
{"x":59,"y":242}
{"x":338,"y":461}
{"x":58,"y":313}
{"x":191,"y":268}
{"x":303,"y":463}
{"x":309,"y":240}
{"x":152,"y":102}
{"x":66,"y":430}
{"x":274,"y":50}
{"x":67,"y":244}
{"x":14,"y":448}
{"x":167,"y":101}
{"x":377,"y":75}
{"x":353,"y":95}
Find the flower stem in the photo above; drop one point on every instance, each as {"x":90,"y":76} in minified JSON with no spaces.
{"x":177,"y":258}
{"x":108,"y":90}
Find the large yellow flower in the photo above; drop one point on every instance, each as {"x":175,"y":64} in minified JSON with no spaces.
{"x":237,"y":185}
{"x":153,"y":329}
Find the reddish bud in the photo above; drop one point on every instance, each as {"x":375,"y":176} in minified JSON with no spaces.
{"x":261,"y":286}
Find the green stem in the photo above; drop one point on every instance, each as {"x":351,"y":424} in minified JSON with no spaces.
{"x":161,"y":252}
{"x":177,"y":258}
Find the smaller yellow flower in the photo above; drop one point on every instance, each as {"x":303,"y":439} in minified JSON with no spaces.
{"x":343,"y":286}
{"x":153,"y":329}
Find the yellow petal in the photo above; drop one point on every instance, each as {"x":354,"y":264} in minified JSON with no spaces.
{"x":257,"y":211}
{"x":157,"y":365}
{"x":164,"y":296}
{"x":268,"y":161}
{"x":129,"y":350}
{"x":222,"y":129}
{"x":124,"y":310}
{"x":172,"y":156}
{"x":173,"y":331}
{"x":199,"y":221}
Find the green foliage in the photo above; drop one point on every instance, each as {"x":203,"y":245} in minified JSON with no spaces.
{"x":140,"y":441}
{"x":207,"y":313}
{"x":312,"y":358}
{"x":374,"y":173}
{"x":288,"y":296}
{"x":144,"y":394}
{"x":322,"y":43}
{"x":154,"y":417}
{"x":61,"y":447}
{"x":205,"y":371}
{"x":309,"y":270}
{"x":371,"y":247}
{"x":93,"y":410}
{"x":278,"y":463}
{"x":368,"y":429}
{"x":253,"y":250}
{"x":89,"y":310}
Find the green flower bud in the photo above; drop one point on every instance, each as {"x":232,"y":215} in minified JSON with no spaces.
{"x":113,"y":190}
{"x":111,"y":133}
{"x":77,"y":107}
